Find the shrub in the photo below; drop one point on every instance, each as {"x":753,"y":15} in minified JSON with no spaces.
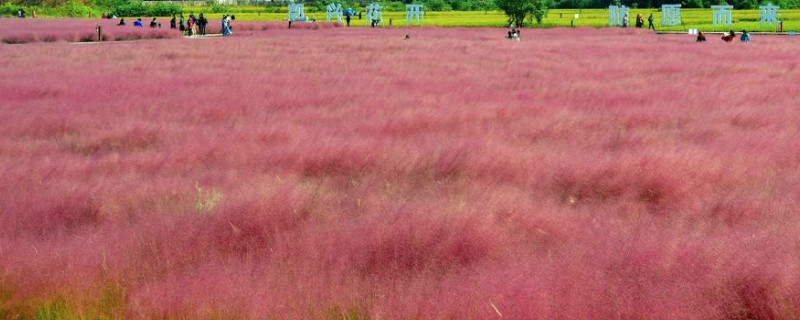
{"x":138,"y":9}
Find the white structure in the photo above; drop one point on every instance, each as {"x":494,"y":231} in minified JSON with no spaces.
{"x":374,"y":13}
{"x":769,"y":15}
{"x":616,"y":14}
{"x":670,"y":14}
{"x":414,"y":11}
{"x":296,"y":12}
{"x":334,"y":11}
{"x":722,"y":15}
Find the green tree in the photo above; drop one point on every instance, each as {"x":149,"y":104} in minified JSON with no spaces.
{"x":518,"y":10}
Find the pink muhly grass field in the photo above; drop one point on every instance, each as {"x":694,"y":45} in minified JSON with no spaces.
{"x":21,"y":31}
{"x":348,"y":173}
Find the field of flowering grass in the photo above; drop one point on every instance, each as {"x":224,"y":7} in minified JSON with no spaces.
{"x":23,"y":31}
{"x":351,"y":174}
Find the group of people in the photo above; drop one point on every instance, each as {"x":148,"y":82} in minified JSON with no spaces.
{"x":640,"y":21}
{"x":192,"y":26}
{"x":730,"y":37}
{"x":21,"y":13}
{"x":227,"y":29}
{"x":513,"y":33}
{"x":138,"y":23}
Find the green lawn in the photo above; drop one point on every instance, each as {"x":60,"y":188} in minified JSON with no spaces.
{"x":692,"y":18}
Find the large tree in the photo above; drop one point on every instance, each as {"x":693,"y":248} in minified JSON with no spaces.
{"x":518,"y":10}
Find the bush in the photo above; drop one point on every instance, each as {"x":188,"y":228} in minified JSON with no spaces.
{"x":438,"y":5}
{"x":218,"y":8}
{"x":137,"y":9}
{"x":8,"y":9}
{"x":73,"y":8}
{"x":393,"y":6}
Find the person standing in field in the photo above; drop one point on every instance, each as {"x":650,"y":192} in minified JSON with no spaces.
{"x":650,"y":23}
{"x":172,"y":24}
{"x":153,"y":23}
{"x":701,"y":37}
{"x":181,"y":26}
{"x":191,"y":25}
{"x":745,"y":38}
{"x":639,"y":21}
{"x":202,"y":22}
{"x":347,"y":19}
{"x":225,"y":31}
{"x":625,"y":21}
{"x":729,"y":37}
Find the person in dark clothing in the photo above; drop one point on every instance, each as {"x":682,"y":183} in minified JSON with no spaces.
{"x":701,"y":37}
{"x":513,"y":33}
{"x":191,"y":25}
{"x":729,"y":37}
{"x":182,"y":25}
{"x":639,"y":21}
{"x":153,"y":23}
{"x":650,"y":23}
{"x":201,"y":24}
{"x":347,"y":19}
{"x":172,"y":22}
{"x":121,"y":22}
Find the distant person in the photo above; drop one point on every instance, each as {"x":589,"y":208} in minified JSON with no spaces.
{"x":121,"y":22}
{"x":701,"y":37}
{"x":639,"y":21}
{"x":191,"y":25}
{"x":172,"y":23}
{"x":347,"y":19}
{"x":114,"y":16}
{"x":745,"y":36}
{"x":21,"y":13}
{"x":153,"y":23}
{"x":625,"y":21}
{"x":513,"y":33}
{"x":650,"y":23}
{"x":138,"y":23}
{"x":359,"y":15}
{"x":33,"y":14}
{"x":231,"y":18}
{"x":201,"y":23}
{"x":729,"y":37}
{"x":225,"y":30}
{"x":182,"y":25}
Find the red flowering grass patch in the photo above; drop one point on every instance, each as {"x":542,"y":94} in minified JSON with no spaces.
{"x":350,"y":173}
